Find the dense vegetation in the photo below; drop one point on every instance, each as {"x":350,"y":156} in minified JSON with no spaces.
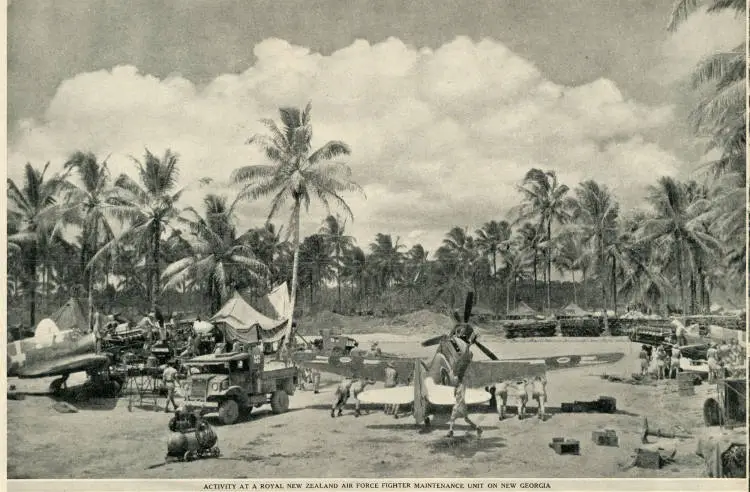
{"x":137,"y":245}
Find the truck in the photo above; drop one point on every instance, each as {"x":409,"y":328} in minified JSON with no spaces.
{"x":232,"y":384}
{"x":333,"y":344}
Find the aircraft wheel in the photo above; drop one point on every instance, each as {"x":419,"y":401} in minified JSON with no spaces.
{"x":229,"y":411}
{"x":56,"y":386}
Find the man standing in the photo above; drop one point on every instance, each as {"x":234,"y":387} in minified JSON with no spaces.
{"x":674,"y":363}
{"x":460,"y":410}
{"x":358,"y":388}
{"x":169,"y":377}
{"x":340,"y":397}
{"x":391,"y":381}
{"x":643,"y":357}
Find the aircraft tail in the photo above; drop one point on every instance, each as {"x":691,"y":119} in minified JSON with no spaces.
{"x":420,"y":392}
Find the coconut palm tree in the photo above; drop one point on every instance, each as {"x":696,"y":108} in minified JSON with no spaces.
{"x":83,"y":203}
{"x":594,"y":213}
{"x":31,"y":210}
{"x":148,"y":205}
{"x":354,"y":270}
{"x":386,"y":260}
{"x":333,"y":231}
{"x":217,"y":256}
{"x":676,"y":227}
{"x":316,"y":263}
{"x":567,"y":253}
{"x":517,"y":260}
{"x":544,"y":200}
{"x":297,"y":174}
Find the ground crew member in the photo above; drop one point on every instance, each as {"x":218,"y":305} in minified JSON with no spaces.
{"x":674,"y":364}
{"x":358,"y":388}
{"x":170,"y":381}
{"x":96,"y":330}
{"x":391,"y":381}
{"x":539,"y":393}
{"x":316,"y":381}
{"x":643,"y":356}
{"x":713,"y":362}
{"x":661,"y":357}
{"x":460,"y":410}
{"x":340,"y":396}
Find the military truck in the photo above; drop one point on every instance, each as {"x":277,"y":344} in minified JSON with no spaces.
{"x":234,"y":383}
{"x":333,"y":344}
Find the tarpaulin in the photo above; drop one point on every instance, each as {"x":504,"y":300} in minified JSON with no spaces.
{"x":241,"y":322}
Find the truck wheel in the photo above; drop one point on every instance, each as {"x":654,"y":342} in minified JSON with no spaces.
{"x":279,"y":402}
{"x":228,"y":412}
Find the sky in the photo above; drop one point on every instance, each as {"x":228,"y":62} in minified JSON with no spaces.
{"x":445,"y":104}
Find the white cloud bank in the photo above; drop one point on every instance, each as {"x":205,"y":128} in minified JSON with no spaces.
{"x":439,"y":138}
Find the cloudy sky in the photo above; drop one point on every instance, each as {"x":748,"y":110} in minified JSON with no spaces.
{"x":445,"y":104}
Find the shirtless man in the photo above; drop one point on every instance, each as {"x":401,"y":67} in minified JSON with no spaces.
{"x":460,"y":410}
{"x":340,"y":397}
{"x":357,"y":388}
{"x":513,"y":388}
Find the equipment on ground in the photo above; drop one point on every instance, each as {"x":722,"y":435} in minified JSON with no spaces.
{"x":729,"y":406}
{"x":562,"y":445}
{"x":233,"y":383}
{"x":605,"y":404}
{"x":646,"y":433}
{"x":191,"y":438}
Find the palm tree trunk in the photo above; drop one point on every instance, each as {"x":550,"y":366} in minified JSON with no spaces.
{"x":680,"y":280}
{"x":31,"y":274}
{"x":91,"y":297}
{"x":507,"y":297}
{"x":338,"y":277}
{"x":549,"y":263}
{"x":614,"y":284}
{"x":295,"y":267}
{"x":156,"y":281}
{"x":575,"y":293}
{"x":583,"y":294}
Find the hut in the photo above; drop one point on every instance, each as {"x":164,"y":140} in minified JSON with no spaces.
{"x":523,"y":311}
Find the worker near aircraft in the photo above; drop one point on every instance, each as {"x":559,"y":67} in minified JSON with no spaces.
{"x":357,"y":388}
{"x":391,"y":381}
{"x":340,"y":397}
{"x":460,"y":409}
{"x":170,"y":381}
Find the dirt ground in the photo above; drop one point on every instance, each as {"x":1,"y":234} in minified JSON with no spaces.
{"x":105,"y":440}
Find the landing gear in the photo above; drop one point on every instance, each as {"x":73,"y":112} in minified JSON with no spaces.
{"x":59,"y":385}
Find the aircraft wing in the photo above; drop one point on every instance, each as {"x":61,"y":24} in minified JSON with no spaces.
{"x":436,"y":394}
{"x":570,"y":361}
{"x":349,"y":366}
{"x":400,"y":395}
{"x":63,"y":365}
{"x":489,"y":372}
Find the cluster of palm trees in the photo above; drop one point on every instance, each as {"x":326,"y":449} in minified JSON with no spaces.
{"x":129,"y":239}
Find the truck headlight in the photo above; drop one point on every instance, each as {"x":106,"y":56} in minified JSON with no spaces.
{"x":215,"y":386}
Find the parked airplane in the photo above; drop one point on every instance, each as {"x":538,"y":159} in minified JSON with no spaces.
{"x":453,"y":361}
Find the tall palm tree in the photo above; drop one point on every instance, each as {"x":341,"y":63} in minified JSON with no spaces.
{"x":493,"y":239}
{"x":148,"y":205}
{"x":567,"y":253}
{"x":530,"y":239}
{"x":354,"y":270}
{"x":316,"y":263}
{"x":84,"y":204}
{"x":675,"y":227}
{"x":544,"y":199}
{"x":31,"y":209}
{"x":386,"y":260}
{"x":297,"y":174}
{"x":333,"y":231}
{"x":217,"y":256}
{"x":517,"y":260}
{"x":594,"y":213}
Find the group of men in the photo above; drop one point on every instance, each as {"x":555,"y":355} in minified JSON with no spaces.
{"x":663,"y":363}
{"x":353,"y":387}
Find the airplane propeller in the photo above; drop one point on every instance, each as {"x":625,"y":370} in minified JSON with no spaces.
{"x":469,"y":335}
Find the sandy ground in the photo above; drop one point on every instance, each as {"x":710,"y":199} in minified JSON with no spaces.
{"x":105,"y":440}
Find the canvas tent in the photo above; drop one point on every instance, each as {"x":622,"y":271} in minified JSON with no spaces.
{"x":574,"y":310}
{"x":241,"y":322}
{"x":70,"y":317}
{"x":522,"y":311}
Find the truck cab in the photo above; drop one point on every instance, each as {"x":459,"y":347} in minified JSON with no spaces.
{"x":233,"y":383}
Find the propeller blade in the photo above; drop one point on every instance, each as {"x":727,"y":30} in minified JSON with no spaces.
{"x":432,"y":341}
{"x":456,"y":316}
{"x":467,"y":307}
{"x":489,"y":353}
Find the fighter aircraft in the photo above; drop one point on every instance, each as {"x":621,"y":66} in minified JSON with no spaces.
{"x":453,"y":361}
{"x":51,"y":352}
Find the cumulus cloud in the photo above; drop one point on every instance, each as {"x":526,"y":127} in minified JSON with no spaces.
{"x":439,"y":137}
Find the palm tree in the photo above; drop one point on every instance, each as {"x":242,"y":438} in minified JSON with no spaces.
{"x":517,"y":260}
{"x":567,"y":253}
{"x":594,"y":214}
{"x":334,"y":233}
{"x":31,"y":210}
{"x":544,"y":199}
{"x":386,"y":260}
{"x":148,"y":207}
{"x":493,"y":238}
{"x":84,"y":204}
{"x":316,"y":265}
{"x":354,"y":270}
{"x":530,"y":240}
{"x":217,"y":256}
{"x":297,"y":174}
{"x":676,"y":227}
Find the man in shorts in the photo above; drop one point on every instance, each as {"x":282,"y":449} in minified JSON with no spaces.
{"x":340,"y":397}
{"x":460,"y":410}
{"x":357,"y":388}
{"x":170,"y":381}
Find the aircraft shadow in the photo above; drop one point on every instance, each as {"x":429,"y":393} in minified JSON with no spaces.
{"x":466,"y":446}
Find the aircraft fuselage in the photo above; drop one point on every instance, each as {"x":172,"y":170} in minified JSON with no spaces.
{"x":26,"y":355}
